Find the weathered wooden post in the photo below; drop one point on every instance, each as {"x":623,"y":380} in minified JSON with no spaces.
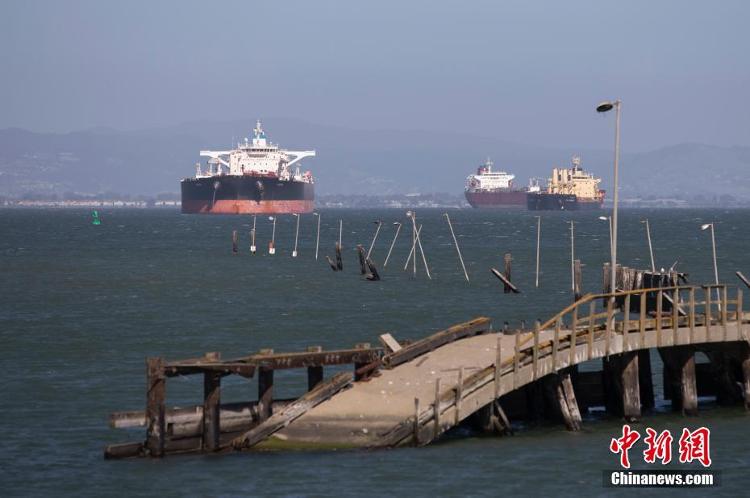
{"x":155,"y":406}
{"x":372,"y":270}
{"x":507,"y":259}
{"x":265,"y":388}
{"x":436,"y":409}
{"x":361,"y":254}
{"x":339,"y":260}
{"x":631,"y":392}
{"x":211,"y":403}
{"x":746,"y":375}
{"x":235,"y":240}
{"x":645,"y":379}
{"x":578,"y":280}
{"x":314,"y":373}
{"x":416,"y":422}
{"x":359,"y":365}
{"x":459,"y":395}
{"x":570,"y":400}
{"x":679,"y":378}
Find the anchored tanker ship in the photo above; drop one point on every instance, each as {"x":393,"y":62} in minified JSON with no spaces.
{"x":569,"y":189}
{"x":494,"y":189}
{"x":256,"y":177}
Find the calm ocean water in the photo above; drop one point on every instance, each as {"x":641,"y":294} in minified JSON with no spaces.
{"x":83,"y":305}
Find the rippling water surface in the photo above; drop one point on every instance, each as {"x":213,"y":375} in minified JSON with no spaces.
{"x":83,"y":305}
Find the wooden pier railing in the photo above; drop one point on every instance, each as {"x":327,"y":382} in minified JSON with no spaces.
{"x":595,"y":326}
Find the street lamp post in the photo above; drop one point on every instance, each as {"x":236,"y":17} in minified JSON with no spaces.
{"x":572,"y":256}
{"x":271,"y":245}
{"x":379,"y":223}
{"x":650,"y":247}
{"x":398,"y":229}
{"x":605,"y":107}
{"x":609,"y":219}
{"x":317,"y":238}
{"x":252,"y":236}
{"x":716,"y":267}
{"x":296,"y":236}
{"x":538,"y":244}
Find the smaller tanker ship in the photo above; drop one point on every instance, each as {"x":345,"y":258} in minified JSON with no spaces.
{"x":494,"y":189}
{"x":570,"y":189}
{"x":256,"y":177}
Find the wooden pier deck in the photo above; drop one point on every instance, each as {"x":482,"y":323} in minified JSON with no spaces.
{"x":411,"y":394}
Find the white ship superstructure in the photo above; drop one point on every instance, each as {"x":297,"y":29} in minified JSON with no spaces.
{"x":487,"y":180}
{"x":256,"y":157}
{"x":574,"y":181}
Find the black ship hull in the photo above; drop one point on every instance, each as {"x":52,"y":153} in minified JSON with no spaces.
{"x":560,"y":202}
{"x":246,"y":194}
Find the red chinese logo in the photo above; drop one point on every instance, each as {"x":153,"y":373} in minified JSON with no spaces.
{"x":658,"y":446}
{"x":693,"y":445}
{"x":623,"y":444}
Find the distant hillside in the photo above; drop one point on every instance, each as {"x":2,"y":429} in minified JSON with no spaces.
{"x":348,"y":161}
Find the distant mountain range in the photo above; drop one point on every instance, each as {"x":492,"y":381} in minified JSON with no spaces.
{"x":348,"y":161}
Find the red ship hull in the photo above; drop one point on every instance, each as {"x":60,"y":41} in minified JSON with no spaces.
{"x":247,"y":207}
{"x":502,"y":199}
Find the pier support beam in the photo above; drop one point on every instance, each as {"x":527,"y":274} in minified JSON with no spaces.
{"x":567,"y":397}
{"x":265,"y":393}
{"x":645,"y":379}
{"x":314,"y":374}
{"x":631,"y":392}
{"x":679,"y":378}
{"x":746,"y":375}
{"x":727,"y":392}
{"x":622,"y":392}
{"x":491,"y":419}
{"x":211,"y":404}
{"x":155,"y":406}
{"x":560,"y":400}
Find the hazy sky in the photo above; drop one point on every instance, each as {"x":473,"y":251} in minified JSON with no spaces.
{"x":524,"y":71}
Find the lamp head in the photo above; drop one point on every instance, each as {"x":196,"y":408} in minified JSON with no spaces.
{"x":605,"y":106}
{"x":396,"y":223}
{"x":706,"y":226}
{"x":603,"y":218}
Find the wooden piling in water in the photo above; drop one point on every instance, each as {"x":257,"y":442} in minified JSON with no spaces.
{"x":577,"y":280}
{"x":155,"y":406}
{"x":265,"y":389}
{"x":359,"y":374}
{"x":645,"y":379}
{"x":339,"y":260}
{"x":235,"y":243}
{"x":211,"y":403}
{"x":566,"y":400}
{"x":745,"y":360}
{"x":372,"y":270}
{"x":361,"y":255}
{"x":314,"y":373}
{"x":680,"y":379}
{"x":631,"y":392}
{"x":507,"y":259}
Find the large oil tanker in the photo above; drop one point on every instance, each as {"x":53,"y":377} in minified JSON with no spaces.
{"x":570,"y":189}
{"x":495,"y":189}
{"x":256,"y":177}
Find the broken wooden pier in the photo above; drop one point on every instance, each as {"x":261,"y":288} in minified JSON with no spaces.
{"x":410,"y":393}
